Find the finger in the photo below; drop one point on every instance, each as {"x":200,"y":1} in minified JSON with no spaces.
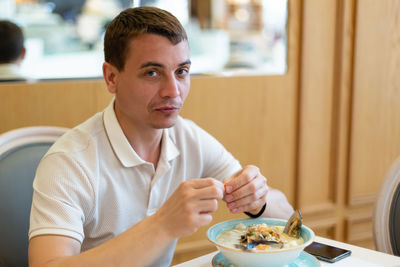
{"x":188,"y":193}
{"x":251,"y":206}
{"x":248,"y":189}
{"x":241,"y":178}
{"x":211,"y":192}
{"x":203,"y":219}
{"x":205,"y":182}
{"x":197,"y":220}
{"x":205,"y":206}
{"x":259,"y":194}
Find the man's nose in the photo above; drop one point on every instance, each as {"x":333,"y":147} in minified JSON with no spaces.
{"x":169,"y":87}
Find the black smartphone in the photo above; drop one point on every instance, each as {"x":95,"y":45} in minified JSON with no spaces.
{"x":327,"y":253}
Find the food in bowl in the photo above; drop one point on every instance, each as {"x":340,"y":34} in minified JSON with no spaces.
{"x":239,"y":256}
{"x":258,"y":237}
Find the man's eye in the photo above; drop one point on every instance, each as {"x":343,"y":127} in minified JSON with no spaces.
{"x":182,"y":71}
{"x":151,"y":73}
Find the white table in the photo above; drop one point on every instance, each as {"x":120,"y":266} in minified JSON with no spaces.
{"x":360,"y":257}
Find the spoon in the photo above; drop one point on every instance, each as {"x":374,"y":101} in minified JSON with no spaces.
{"x":293,"y":225}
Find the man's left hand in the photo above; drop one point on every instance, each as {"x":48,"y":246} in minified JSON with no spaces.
{"x":246,"y":190}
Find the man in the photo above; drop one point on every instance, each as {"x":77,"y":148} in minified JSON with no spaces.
{"x":12,"y":51}
{"x":119,"y":189}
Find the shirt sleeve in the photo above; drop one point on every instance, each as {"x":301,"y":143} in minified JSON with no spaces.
{"x":277,"y":205}
{"x":62,"y":198}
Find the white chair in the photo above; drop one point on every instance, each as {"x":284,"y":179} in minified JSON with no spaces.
{"x":20,"y":152}
{"x":386,"y":221}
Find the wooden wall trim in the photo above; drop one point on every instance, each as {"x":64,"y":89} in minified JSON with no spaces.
{"x":344,"y":69}
{"x":355,"y":201}
{"x":348,"y":90}
{"x":314,"y":178}
{"x":323,"y":223}
{"x":326,"y":227}
{"x":359,"y":227}
{"x":342,"y":106}
{"x":299,"y":8}
{"x":326,"y":207}
{"x":358,"y":217}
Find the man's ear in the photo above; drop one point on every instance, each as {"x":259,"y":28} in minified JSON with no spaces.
{"x":21,"y":56}
{"x":110,"y":74}
{"x":23,"y":53}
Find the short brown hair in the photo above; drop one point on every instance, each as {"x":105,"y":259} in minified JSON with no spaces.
{"x":11,"y":41}
{"x":131,"y":23}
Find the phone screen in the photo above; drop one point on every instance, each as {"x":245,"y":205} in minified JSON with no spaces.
{"x":326,"y":252}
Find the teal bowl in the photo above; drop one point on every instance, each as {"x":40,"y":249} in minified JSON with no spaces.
{"x":267,"y":258}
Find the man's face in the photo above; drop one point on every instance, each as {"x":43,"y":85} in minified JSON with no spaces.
{"x":151,"y":89}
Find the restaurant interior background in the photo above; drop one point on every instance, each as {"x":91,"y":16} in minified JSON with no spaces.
{"x":324,"y":130}
{"x":226,"y":36}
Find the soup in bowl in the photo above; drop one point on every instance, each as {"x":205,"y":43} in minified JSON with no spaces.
{"x":258,"y":242}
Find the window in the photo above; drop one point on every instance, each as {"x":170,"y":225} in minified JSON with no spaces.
{"x":64,"y":39}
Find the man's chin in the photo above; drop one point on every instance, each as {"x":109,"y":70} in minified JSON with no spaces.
{"x":165,"y":124}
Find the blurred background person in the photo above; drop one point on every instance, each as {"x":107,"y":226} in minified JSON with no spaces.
{"x":12,"y":51}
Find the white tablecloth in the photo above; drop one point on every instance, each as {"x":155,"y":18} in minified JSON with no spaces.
{"x":360,"y":257}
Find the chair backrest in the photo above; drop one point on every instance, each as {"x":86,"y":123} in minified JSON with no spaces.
{"x":20,"y":153}
{"x":386,"y":222}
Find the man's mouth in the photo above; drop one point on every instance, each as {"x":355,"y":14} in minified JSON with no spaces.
{"x":168,"y":109}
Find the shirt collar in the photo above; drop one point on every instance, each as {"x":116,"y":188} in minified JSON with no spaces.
{"x":169,"y":151}
{"x":123,"y":149}
{"x":10,"y":71}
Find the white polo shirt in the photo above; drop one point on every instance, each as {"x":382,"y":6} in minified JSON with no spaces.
{"x":92,"y":186}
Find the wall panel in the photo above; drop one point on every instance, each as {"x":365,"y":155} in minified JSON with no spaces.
{"x":376,"y":97}
{"x":358,"y":229}
{"x":50,"y":103}
{"x":316,"y":192}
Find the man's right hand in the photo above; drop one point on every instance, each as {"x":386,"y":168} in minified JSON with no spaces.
{"x":190,"y":206}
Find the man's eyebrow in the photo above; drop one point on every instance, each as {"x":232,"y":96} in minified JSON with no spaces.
{"x":187,"y":62}
{"x":156,"y":64}
{"x":151,"y":64}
